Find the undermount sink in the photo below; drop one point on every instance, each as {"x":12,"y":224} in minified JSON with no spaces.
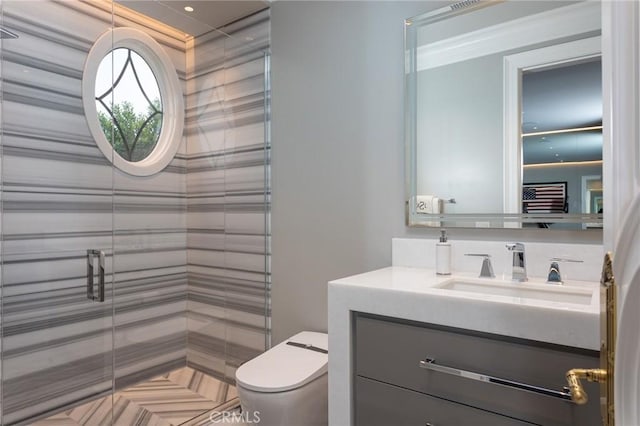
{"x":548,"y":292}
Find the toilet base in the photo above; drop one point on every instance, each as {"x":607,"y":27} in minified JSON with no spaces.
{"x":305,"y":406}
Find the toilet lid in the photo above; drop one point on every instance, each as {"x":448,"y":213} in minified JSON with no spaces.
{"x":286,"y":367}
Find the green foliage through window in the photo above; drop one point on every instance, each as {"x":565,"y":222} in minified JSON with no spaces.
{"x":128,"y":104}
{"x":133,"y":136}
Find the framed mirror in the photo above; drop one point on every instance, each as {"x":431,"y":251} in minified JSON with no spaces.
{"x":503,"y":115}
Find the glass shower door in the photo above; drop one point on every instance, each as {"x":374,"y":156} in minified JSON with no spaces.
{"x":57,"y":221}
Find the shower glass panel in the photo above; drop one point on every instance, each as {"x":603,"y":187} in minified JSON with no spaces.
{"x":57,"y":217}
{"x":150,"y":234}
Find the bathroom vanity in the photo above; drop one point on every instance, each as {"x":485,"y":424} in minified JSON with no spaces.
{"x":392,"y":388}
{"x":410,"y":347}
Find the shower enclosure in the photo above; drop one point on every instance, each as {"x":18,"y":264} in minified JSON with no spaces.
{"x":107,"y":278}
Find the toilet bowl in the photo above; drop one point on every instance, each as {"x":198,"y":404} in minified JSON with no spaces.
{"x":286,"y":385}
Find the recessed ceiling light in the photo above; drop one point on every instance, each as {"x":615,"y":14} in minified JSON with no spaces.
{"x":188,"y":8}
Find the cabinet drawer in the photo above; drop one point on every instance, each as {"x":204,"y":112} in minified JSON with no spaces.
{"x":390,"y":351}
{"x":382,"y":404}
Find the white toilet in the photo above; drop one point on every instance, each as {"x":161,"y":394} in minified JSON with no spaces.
{"x":286,"y":385}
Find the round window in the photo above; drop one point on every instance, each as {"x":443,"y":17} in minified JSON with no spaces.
{"x":129,"y":104}
{"x":133,"y":101}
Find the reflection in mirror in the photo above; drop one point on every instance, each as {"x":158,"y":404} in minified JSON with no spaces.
{"x":562,"y":140}
{"x":479,"y":79}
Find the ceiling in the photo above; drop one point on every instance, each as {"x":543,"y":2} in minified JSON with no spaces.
{"x":560,"y":98}
{"x":207,"y":15}
{"x":563,"y":148}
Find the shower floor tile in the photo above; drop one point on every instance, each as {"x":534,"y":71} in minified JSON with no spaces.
{"x":176,"y":398}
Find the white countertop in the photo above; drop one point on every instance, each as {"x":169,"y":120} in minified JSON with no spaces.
{"x":413,"y":294}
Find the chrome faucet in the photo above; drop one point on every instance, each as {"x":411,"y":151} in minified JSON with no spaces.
{"x":554,"y":276}
{"x":519,"y":271}
{"x":487,"y":269}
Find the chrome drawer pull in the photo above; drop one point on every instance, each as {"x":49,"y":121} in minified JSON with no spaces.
{"x":430,"y":364}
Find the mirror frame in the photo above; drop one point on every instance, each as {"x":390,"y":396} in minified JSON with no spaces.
{"x":589,"y":12}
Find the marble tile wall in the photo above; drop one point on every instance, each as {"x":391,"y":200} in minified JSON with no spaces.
{"x":60,"y":196}
{"x":187,"y":249}
{"x":228,"y":198}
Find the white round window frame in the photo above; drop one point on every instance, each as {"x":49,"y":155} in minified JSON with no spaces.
{"x":170,"y":93}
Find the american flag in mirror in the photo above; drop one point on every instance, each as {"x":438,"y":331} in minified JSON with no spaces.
{"x":544,"y":197}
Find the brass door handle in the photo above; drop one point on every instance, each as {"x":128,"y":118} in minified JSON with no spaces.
{"x":578,"y":395}
{"x":605,"y":374}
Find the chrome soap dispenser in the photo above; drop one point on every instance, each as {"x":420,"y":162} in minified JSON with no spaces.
{"x":443,"y":254}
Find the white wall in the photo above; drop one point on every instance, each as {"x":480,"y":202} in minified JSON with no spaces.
{"x":459,"y":134}
{"x":338,"y":152}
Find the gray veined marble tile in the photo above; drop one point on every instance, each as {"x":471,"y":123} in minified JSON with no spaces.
{"x":182,"y":396}
{"x":185,"y":256}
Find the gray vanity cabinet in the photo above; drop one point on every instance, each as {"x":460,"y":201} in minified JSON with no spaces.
{"x":391,"y":387}
{"x":383,"y":404}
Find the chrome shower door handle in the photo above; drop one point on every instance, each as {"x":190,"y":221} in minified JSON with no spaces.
{"x":101,"y":277}
{"x":91,"y":255}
